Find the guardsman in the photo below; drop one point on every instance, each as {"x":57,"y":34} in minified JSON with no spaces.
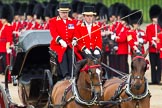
{"x":152,"y":30}
{"x":16,"y":21}
{"x":62,"y":31}
{"x":6,"y":35}
{"x":136,"y":37}
{"x":47,"y":16}
{"x":31,"y":23}
{"x":38,"y":16}
{"x":88,"y":34}
{"x":121,"y":39}
{"x":22,"y":14}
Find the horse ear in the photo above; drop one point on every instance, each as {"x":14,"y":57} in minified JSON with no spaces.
{"x":134,"y":54}
{"x":146,"y":53}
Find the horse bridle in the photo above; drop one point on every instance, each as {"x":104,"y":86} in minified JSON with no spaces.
{"x":87,"y":69}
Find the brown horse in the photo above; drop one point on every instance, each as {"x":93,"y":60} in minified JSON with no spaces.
{"x":80,"y":92}
{"x":132,"y":93}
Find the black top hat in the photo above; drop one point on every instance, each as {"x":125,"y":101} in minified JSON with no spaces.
{"x":64,"y":7}
{"x":160,"y":20}
{"x":7,"y":12}
{"x":154,"y":11}
{"x":135,"y":17}
{"x":88,"y":10}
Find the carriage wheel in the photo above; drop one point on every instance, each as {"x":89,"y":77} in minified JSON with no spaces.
{"x":3,"y":98}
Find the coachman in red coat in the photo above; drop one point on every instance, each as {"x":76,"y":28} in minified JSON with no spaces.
{"x":88,"y":34}
{"x":62,"y":31}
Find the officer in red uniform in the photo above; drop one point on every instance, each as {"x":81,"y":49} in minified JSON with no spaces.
{"x":136,"y":37}
{"x":88,"y":34}
{"x":62,"y":30}
{"x":152,"y":30}
{"x":6,"y":35}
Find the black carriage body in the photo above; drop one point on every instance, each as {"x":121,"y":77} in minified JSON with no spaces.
{"x":32,"y":58}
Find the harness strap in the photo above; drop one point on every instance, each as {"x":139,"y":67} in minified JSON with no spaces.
{"x":136,"y":97}
{"x":87,"y":67}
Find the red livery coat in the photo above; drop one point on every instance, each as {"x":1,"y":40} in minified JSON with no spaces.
{"x":90,"y":41}
{"x":59,"y":29}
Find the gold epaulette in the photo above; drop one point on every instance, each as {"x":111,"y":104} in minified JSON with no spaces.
{"x":129,"y":38}
{"x":58,"y":18}
{"x":96,"y":24}
{"x":69,"y":19}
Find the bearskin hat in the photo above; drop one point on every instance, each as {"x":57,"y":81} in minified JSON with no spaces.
{"x":23,"y":8}
{"x":80,"y":7}
{"x":98,"y":6}
{"x":154,"y":11}
{"x":124,"y":12}
{"x":113,"y":9}
{"x":38,"y":10}
{"x":103,"y":13}
{"x":160,"y":19}
{"x":135,"y":17}
{"x":74,"y":6}
{"x":7,"y":12}
{"x":16,"y":6}
{"x":29,"y":9}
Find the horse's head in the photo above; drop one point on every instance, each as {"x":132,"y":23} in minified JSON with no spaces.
{"x":93,"y":74}
{"x":139,"y":65}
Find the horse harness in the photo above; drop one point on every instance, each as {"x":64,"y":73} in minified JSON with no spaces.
{"x":76,"y":96}
{"x":125,"y":86}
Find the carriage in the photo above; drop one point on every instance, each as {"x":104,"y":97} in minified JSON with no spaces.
{"x":30,"y":67}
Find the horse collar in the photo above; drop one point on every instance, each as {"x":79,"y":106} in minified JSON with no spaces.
{"x":78,"y":99}
{"x":136,"y":97}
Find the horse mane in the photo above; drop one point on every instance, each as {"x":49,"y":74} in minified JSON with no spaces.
{"x":79,"y":65}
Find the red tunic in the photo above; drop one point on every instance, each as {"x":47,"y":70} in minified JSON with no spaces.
{"x":59,"y":29}
{"x":5,"y":36}
{"x":132,"y":38}
{"x":122,"y":40}
{"x":90,"y":41}
{"x":150,"y":31}
{"x":159,"y":44}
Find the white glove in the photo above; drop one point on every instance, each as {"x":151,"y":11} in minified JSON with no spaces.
{"x":115,"y":48}
{"x":141,"y":34}
{"x":96,"y":52}
{"x":154,"y":44}
{"x":136,"y":43}
{"x":63,"y":43}
{"x":154,"y":38}
{"x":9,"y":51}
{"x":102,"y":33}
{"x":138,"y":51}
{"x":108,"y":32}
{"x":113,"y":36}
{"x":74,"y":42}
{"x":140,"y":40}
{"x":87,"y":51}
